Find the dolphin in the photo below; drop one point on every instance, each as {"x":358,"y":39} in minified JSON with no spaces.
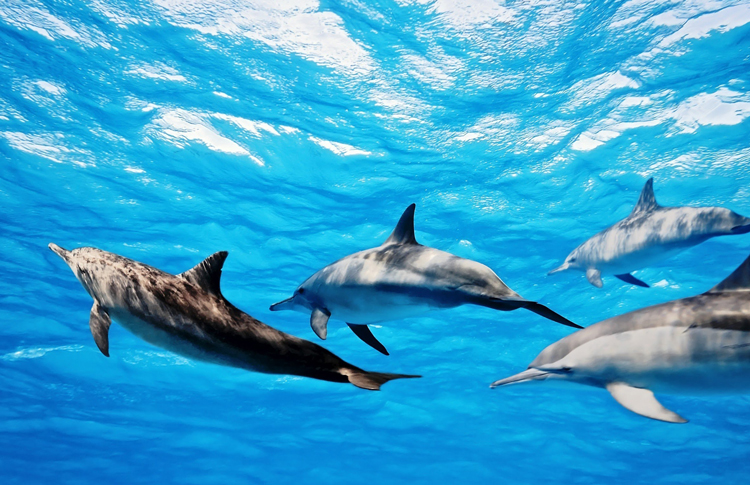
{"x":649,"y":234}
{"x":398,"y":279}
{"x":688,"y":346}
{"x":188,"y":315}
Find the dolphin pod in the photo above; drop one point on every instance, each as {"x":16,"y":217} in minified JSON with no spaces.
{"x":188,"y":315}
{"x":649,"y":234}
{"x":692,"y":345}
{"x":398,"y":279}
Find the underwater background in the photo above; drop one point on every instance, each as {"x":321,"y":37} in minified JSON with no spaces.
{"x":294,"y":132}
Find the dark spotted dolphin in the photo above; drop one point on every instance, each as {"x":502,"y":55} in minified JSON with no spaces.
{"x":689,"y":346}
{"x":649,"y":234}
{"x":188,"y":315}
{"x":398,"y":279}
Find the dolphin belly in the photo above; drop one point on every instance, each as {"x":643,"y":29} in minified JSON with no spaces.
{"x":181,"y":341}
{"x":671,"y":359}
{"x":632,"y":260}
{"x":373,"y":304}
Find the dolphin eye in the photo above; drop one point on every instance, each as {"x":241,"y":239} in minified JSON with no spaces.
{"x":573,"y":260}
{"x":566,"y":369}
{"x":301,"y":290}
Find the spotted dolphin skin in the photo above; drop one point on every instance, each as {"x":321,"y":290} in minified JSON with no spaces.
{"x":188,"y":315}
{"x":398,"y":279}
{"x":649,"y":234}
{"x":694,"y":345}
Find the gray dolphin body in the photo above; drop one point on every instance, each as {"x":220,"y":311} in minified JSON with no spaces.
{"x":188,"y":315}
{"x":690,"y":346}
{"x":398,"y":279}
{"x":648,"y":235}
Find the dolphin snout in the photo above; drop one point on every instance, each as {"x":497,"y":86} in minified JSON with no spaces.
{"x":63,"y":253}
{"x":558,"y":269}
{"x":283,"y":305}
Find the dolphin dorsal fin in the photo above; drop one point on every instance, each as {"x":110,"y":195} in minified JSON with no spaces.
{"x":404,"y":231}
{"x":207,"y":274}
{"x":739,"y":280}
{"x":647,"y":201}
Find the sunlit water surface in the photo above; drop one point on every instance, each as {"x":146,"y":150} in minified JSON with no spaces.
{"x":293,"y":132}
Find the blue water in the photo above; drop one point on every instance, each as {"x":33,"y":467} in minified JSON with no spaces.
{"x":294,"y":132}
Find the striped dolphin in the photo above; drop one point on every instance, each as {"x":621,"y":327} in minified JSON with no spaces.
{"x":649,"y":234}
{"x":689,"y":346}
{"x":398,"y":279}
{"x":188,"y":315}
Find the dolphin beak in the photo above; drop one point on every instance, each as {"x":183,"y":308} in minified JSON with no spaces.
{"x":525,"y":376}
{"x":283,"y":305}
{"x":558,"y":269}
{"x":741,"y":229}
{"x":63,"y":253}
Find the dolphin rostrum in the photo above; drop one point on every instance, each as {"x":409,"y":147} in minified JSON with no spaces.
{"x":649,"y":234}
{"x":398,"y":279}
{"x":188,"y":315}
{"x":688,"y":346}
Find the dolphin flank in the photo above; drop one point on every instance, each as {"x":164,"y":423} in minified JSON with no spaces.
{"x":188,"y":315}
{"x":398,"y":279}
{"x":693,"y":345}
{"x":649,"y":234}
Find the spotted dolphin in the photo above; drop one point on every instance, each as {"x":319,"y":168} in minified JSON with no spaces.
{"x":649,"y":234}
{"x":398,"y":279}
{"x":694,"y":345}
{"x":188,"y":315}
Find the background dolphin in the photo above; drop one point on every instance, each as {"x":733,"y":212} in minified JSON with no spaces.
{"x":188,"y":315}
{"x":693,"y":345}
{"x":399,"y":279}
{"x":649,"y":234}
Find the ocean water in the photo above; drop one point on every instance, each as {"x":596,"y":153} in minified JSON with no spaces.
{"x":294,"y":132}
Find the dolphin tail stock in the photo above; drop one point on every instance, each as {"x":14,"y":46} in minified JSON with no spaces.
{"x":525,"y":376}
{"x":372,"y":380}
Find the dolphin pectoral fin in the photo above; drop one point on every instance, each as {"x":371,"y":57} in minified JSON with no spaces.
{"x":643,"y":402}
{"x":365,"y":334}
{"x":549,"y":314}
{"x":99,"y":323}
{"x":319,"y":322}
{"x":629,"y":278}
{"x":595,"y":277}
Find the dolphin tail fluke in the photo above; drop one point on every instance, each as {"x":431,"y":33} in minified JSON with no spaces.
{"x":525,"y":376}
{"x":373,"y":380}
{"x":629,"y":278}
{"x":365,"y":334}
{"x":545,"y":312}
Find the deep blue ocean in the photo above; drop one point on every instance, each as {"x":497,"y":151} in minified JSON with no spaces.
{"x":294,"y":132}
